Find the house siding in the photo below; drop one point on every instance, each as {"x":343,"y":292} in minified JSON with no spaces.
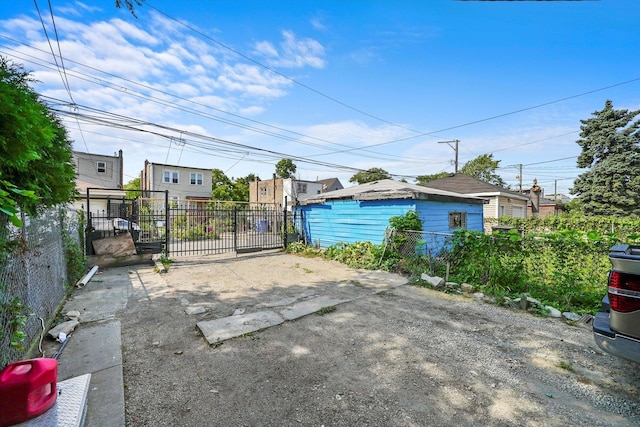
{"x":435,"y":215}
{"x":152,"y":179}
{"x":272,"y":192}
{"x":351,"y":221}
{"x":491,"y":208}
{"x":87,"y":169}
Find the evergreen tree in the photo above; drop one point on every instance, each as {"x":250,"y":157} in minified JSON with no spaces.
{"x":36,"y":166}
{"x":610,"y":151}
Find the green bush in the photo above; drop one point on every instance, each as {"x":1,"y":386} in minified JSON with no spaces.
{"x":356,"y":255}
{"x":566,"y":269}
{"x":559,"y":266}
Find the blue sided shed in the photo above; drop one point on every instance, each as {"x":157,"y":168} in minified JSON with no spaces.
{"x":361,"y":213}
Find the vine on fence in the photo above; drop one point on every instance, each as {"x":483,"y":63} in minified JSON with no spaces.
{"x":17,"y":314}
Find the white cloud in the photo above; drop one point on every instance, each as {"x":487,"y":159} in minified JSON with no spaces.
{"x":356,"y":133}
{"x":292,"y":53}
{"x":318,"y":24}
{"x":267,"y":49}
{"x":87,"y":7}
{"x":116,"y":66}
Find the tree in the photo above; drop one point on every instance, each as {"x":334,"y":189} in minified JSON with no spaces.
{"x":129,"y":4}
{"x":241,"y":187}
{"x":423,"y":179}
{"x":610,"y":150}
{"x":484,"y":168}
{"x":225,"y":188}
{"x":222,"y":186}
{"x":370,"y":175}
{"x":285,"y":168}
{"x":133,"y":188}
{"x":36,"y":167}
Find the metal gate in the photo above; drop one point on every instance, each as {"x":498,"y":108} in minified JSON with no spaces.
{"x":216,"y":227}
{"x":110,"y":212}
{"x":182,"y":228}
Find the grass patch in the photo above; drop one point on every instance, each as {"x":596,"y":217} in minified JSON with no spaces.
{"x":566,"y":366}
{"x":326,"y":310}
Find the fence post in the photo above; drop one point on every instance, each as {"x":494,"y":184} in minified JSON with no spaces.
{"x":235,"y":229}
{"x":285,"y":224}
{"x":166,"y":222}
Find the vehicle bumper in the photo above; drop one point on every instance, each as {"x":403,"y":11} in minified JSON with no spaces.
{"x":612,"y":342}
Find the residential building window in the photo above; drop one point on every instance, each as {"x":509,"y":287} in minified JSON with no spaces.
{"x":263,"y":191}
{"x":501,"y":211}
{"x":196,"y":178}
{"x":171,"y":177}
{"x":518,"y":212}
{"x":457,"y":220}
{"x":102,"y":167}
{"x":302,"y":188}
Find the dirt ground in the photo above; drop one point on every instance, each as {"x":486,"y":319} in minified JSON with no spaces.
{"x":407,"y":356}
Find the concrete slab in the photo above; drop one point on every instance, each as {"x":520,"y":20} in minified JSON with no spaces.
{"x":92,"y":347}
{"x":234,"y":326}
{"x":105,"y":405}
{"x":278,"y":302}
{"x":95,"y":349}
{"x":304,"y":308}
{"x":98,"y":304}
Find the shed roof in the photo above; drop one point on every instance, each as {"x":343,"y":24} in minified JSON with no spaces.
{"x":465,"y":184}
{"x":388,"y":189}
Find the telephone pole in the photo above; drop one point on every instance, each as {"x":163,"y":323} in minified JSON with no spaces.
{"x":519,"y":176}
{"x":456,"y":141}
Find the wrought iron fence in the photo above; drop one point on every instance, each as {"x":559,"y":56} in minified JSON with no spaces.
{"x":33,"y":277}
{"x":215,"y":227}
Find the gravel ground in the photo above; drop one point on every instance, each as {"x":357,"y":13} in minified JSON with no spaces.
{"x":403,"y":357}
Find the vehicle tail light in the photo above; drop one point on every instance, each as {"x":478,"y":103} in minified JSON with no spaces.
{"x":624,"y":292}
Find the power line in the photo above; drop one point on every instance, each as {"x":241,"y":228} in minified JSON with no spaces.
{"x":248,"y":58}
{"x":160,"y":101}
{"x":116,"y":122}
{"x":474,"y":122}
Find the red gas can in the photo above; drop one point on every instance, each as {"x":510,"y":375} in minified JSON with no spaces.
{"x":27,"y":389}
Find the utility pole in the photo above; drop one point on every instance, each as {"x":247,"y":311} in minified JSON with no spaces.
{"x":456,"y":141}
{"x":519,"y":177}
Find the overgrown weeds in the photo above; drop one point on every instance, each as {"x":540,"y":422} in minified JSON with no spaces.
{"x":563,"y":268}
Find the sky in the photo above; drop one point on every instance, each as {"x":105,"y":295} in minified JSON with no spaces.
{"x":337,"y":86}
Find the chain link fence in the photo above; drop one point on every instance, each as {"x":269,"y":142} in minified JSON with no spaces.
{"x":431,"y":248}
{"x":33,"y":277}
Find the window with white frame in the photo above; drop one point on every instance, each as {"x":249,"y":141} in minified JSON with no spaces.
{"x":502,"y":210}
{"x":301,"y":188}
{"x":457,"y":220}
{"x":170,"y":177}
{"x":195,"y":178}
{"x":263,"y":191}
{"x":102,"y":167}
